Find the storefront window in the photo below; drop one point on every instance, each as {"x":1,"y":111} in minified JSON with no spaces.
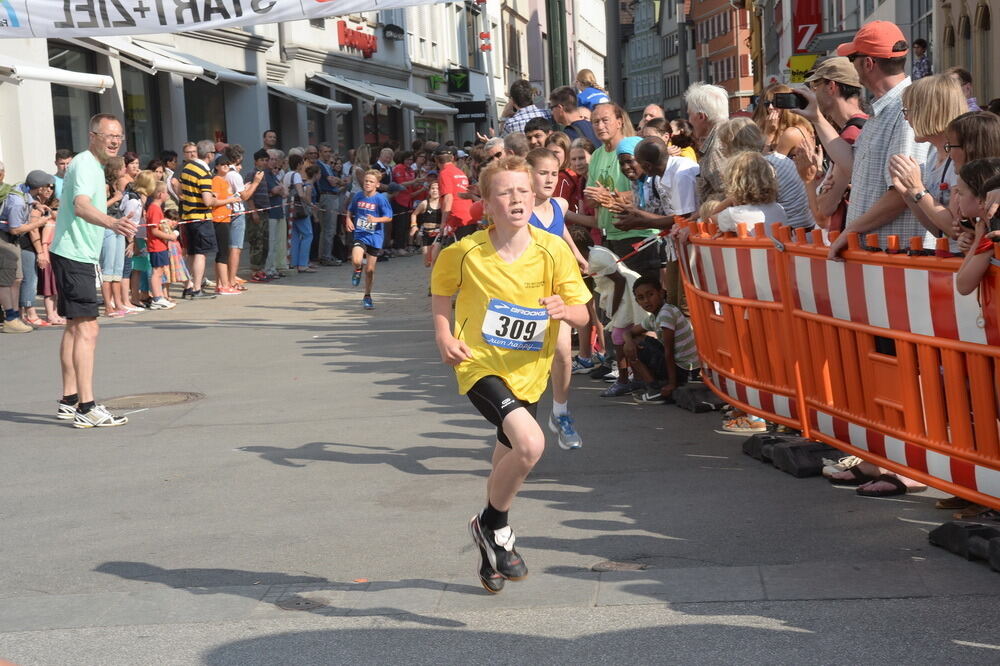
{"x":142,"y":103}
{"x":430,"y":129}
{"x":72,"y":108}
{"x":382,"y":124}
{"x":316,"y":122}
{"x":206,"y":110}
{"x":345,"y":123}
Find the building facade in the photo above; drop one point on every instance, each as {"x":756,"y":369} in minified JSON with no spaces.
{"x":677,"y":52}
{"x":643,"y":62}
{"x":963,"y":36}
{"x":722,"y":49}
{"x":387,"y":76}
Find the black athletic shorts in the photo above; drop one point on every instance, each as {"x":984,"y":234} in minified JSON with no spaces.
{"x":76,"y":283}
{"x":201,"y":237}
{"x":221,"y":242}
{"x":370,"y":250}
{"x":494,"y":400}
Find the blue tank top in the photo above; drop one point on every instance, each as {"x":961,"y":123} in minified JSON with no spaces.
{"x":558,"y":224}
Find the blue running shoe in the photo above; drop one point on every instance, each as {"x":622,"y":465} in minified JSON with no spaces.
{"x":569,"y":438}
{"x":582,"y":366}
{"x":368,"y":303}
{"x":355,"y":278}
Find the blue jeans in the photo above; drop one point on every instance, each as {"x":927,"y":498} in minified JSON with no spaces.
{"x":302,"y":236}
{"x":112,"y":256}
{"x":237,"y":231}
{"x":29,"y":285}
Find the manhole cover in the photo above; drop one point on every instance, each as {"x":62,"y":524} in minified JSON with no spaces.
{"x":299,"y":603}
{"x":149,"y":400}
{"x":611,"y":565}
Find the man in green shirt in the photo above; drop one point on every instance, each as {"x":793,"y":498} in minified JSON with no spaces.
{"x":75,"y":254}
{"x":604,"y":179}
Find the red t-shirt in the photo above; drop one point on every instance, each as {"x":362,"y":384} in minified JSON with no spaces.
{"x":454,"y":182}
{"x":477,"y":211}
{"x":850,"y":135}
{"x":154,"y":215}
{"x":404,"y":174}
{"x":566,"y":188}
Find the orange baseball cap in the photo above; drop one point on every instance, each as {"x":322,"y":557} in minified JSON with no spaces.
{"x":875,"y":40}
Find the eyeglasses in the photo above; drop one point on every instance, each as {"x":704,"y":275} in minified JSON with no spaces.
{"x":110,"y":137}
{"x":46,"y":187}
{"x":494,"y":156}
{"x":949,"y":146}
{"x":905,"y":111}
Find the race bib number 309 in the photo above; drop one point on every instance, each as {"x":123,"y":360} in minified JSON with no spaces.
{"x":514,"y":326}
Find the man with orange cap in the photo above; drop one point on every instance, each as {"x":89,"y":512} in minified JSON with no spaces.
{"x":878,"y":53}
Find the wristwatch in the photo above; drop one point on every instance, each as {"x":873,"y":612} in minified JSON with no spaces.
{"x":920,"y":195}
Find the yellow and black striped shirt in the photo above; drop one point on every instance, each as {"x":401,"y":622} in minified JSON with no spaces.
{"x":195,"y":179}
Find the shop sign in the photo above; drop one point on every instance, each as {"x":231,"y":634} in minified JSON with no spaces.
{"x":807,"y":22}
{"x":349,"y":38}
{"x":470,"y":112}
{"x":799,"y":66}
{"x":393,"y":32}
{"x":458,"y":80}
{"x":435,"y":81}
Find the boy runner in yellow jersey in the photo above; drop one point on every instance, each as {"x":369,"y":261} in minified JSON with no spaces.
{"x":514,"y":284}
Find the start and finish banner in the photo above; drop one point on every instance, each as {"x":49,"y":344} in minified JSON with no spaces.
{"x":95,"y":18}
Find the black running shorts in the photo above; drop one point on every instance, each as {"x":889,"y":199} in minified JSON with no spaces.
{"x":76,"y":283}
{"x":494,"y":400}
{"x":370,"y":250}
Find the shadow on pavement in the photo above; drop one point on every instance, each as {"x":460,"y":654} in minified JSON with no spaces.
{"x":282,"y":589}
{"x":408,"y":460}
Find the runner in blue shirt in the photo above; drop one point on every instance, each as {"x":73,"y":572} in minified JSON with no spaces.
{"x":367,"y":210}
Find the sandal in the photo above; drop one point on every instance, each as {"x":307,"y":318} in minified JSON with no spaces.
{"x":971,"y":511}
{"x":858,"y":478}
{"x":307,"y":270}
{"x":37,"y":323}
{"x":745,"y":424}
{"x":898,"y":487}
{"x":240,"y":286}
{"x":952,"y":503}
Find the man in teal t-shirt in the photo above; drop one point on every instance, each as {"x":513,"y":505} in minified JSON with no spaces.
{"x":75,"y":252}
{"x":604,"y":172}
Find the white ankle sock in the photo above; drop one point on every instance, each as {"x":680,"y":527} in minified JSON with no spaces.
{"x":560,"y":408}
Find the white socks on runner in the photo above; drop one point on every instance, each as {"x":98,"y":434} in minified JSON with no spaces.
{"x":560,"y":408}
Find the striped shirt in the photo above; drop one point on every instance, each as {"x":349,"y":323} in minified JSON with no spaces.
{"x":886,"y":133}
{"x":195,"y":178}
{"x":791,"y":192}
{"x":670,"y":317}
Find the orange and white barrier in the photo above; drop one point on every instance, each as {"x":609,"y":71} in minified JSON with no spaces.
{"x":878,"y":355}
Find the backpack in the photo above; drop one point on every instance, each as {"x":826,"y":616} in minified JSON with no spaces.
{"x":7,"y":190}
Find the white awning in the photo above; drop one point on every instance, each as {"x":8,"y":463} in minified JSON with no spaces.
{"x":361,"y":89}
{"x":139,"y":57}
{"x":16,"y":72}
{"x":411,"y":100}
{"x":213,"y":73}
{"x":321,"y":104}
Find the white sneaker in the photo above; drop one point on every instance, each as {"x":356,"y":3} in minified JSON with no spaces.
{"x":569,"y":438}
{"x":131,"y":309}
{"x":66,"y":412}
{"x":161,"y":304}
{"x":98,"y":417}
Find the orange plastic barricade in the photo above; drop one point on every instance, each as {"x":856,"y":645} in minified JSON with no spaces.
{"x":877,"y":355}
{"x":735,"y":297}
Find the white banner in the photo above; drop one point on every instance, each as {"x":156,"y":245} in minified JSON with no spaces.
{"x":95,"y":18}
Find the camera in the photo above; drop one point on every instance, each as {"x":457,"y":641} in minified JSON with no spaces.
{"x":789,"y":100}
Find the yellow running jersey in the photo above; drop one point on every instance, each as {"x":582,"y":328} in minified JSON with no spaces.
{"x":498,"y":315}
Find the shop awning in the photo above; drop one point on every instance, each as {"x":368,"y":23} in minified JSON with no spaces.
{"x":415,"y":101}
{"x":139,"y":57}
{"x":382,"y":94}
{"x":213,"y":73}
{"x":321,"y":104}
{"x":361,"y":89}
{"x":16,"y":72}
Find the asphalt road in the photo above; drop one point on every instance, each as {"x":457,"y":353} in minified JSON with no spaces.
{"x":311,"y":508}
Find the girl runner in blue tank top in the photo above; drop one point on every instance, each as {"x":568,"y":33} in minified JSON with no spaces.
{"x":549,"y":215}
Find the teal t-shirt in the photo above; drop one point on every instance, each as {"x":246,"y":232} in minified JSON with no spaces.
{"x":604,"y":170}
{"x":75,"y":238}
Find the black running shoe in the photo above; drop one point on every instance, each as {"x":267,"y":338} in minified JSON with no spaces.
{"x":490,"y":579}
{"x":499,"y":548}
